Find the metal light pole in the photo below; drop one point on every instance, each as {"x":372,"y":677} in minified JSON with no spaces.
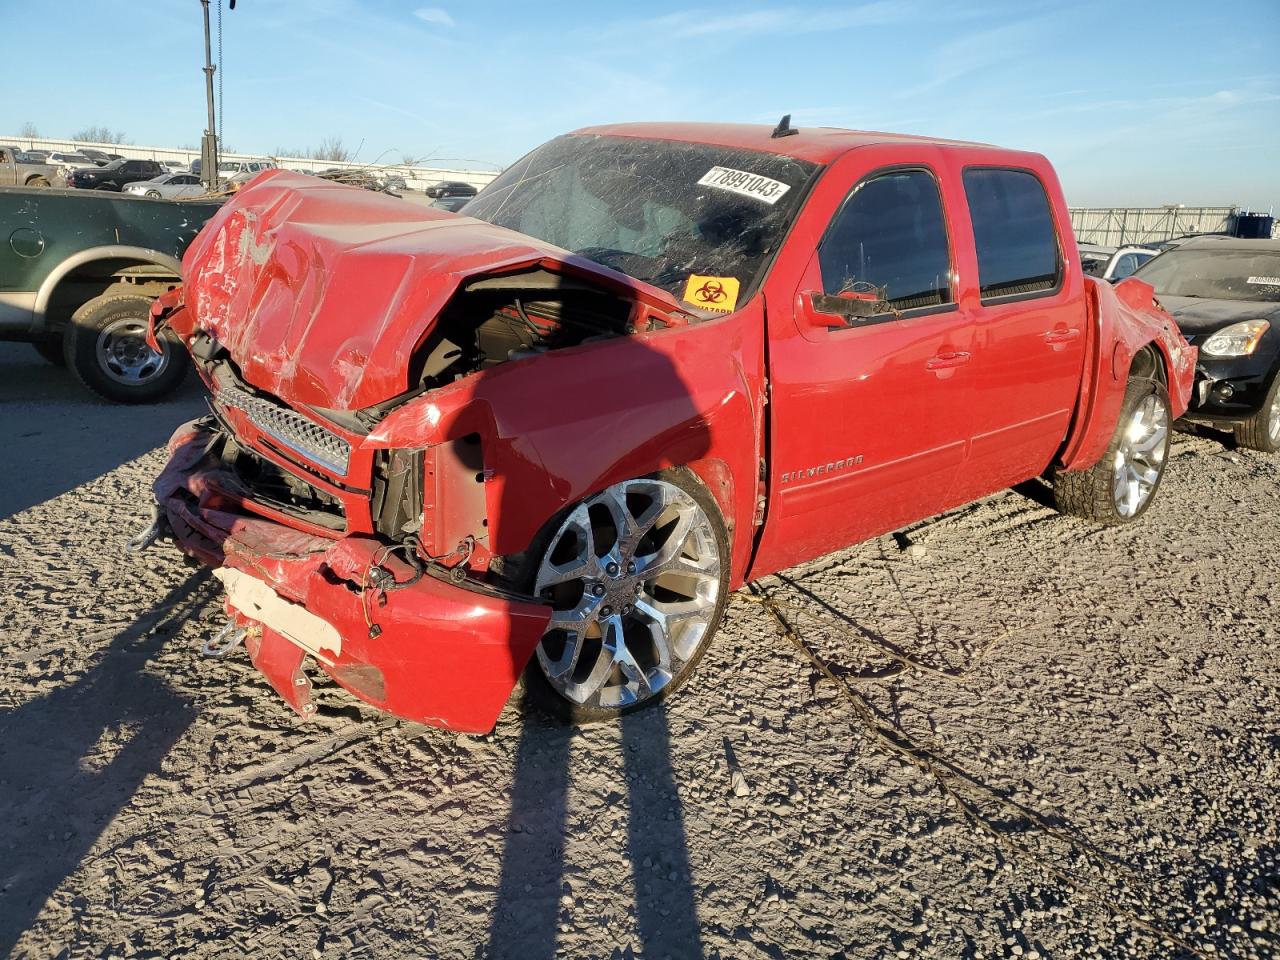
{"x":209,"y":143}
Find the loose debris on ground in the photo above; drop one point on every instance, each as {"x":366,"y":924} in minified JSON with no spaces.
{"x":1000,"y":733}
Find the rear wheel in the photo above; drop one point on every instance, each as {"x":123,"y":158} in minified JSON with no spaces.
{"x":637,"y":576}
{"x":1120,"y":487}
{"x":1262,"y":430}
{"x":106,"y":348}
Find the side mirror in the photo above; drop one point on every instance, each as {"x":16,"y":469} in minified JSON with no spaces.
{"x":825,"y":310}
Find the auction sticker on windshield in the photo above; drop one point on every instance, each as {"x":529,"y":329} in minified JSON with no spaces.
{"x":1265,"y":281}
{"x":746,"y":184}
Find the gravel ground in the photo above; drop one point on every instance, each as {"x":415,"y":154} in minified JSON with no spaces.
{"x":1103,"y":701}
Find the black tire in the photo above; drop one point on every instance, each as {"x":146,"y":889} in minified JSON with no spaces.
{"x":38,"y":182}
{"x":153,"y":194}
{"x":1262,"y":430}
{"x":539,"y":691}
{"x":83,"y":347}
{"x":51,"y":350}
{"x":1091,"y":494}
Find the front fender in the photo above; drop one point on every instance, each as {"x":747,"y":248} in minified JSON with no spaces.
{"x":559,"y":427}
{"x":1124,"y":319}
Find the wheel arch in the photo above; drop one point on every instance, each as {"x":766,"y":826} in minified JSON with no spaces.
{"x":100,"y":267}
{"x":1129,"y":331}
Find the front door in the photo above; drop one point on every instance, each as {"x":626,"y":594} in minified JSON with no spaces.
{"x":868,"y":426}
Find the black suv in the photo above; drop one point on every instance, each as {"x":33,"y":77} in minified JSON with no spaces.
{"x":114,"y":175}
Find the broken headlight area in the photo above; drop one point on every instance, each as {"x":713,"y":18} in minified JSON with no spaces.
{"x":235,"y":475}
{"x":406,"y":634}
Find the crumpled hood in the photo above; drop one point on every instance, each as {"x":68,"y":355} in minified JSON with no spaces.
{"x":320,"y":292}
{"x":1198,"y":315}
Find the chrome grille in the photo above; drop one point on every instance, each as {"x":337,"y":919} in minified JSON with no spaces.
{"x":292,"y":429}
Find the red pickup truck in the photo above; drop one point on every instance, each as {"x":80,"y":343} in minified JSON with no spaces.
{"x":651,"y":363}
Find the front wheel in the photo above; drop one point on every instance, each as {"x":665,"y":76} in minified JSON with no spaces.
{"x":153,"y":194}
{"x":38,"y":182}
{"x":1262,"y":430}
{"x":106,"y":348}
{"x":1120,"y":487}
{"x":637,"y":577}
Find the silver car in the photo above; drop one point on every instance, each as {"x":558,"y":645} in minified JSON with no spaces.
{"x":169,"y":186}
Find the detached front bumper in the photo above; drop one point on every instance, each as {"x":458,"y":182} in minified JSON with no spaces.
{"x":432,"y":652}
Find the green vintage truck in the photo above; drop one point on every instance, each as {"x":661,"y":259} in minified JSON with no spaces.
{"x":78,"y":272}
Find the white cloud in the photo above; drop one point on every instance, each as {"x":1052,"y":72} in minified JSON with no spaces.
{"x":437,"y":15}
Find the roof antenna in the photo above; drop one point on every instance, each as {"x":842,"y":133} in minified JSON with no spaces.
{"x":783,"y":129}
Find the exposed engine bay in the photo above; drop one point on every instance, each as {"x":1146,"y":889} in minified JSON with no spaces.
{"x":494,"y":320}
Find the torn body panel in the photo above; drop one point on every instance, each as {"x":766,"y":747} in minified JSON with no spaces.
{"x":1124,"y":319}
{"x":433,"y":652}
{"x":281,"y":278}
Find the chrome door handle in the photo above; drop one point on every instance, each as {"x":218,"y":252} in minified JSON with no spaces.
{"x":944,"y":360}
{"x":1061,"y":336}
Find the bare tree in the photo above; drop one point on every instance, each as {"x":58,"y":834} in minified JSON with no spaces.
{"x":29,"y":130}
{"x":99,"y":135}
{"x":331,"y":149}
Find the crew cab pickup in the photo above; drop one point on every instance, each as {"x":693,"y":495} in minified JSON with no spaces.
{"x":652,"y":363}
{"x":15,"y":172}
{"x":78,"y":274}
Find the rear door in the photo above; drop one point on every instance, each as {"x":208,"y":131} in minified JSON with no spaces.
{"x":867,"y":423}
{"x":1029,"y":327}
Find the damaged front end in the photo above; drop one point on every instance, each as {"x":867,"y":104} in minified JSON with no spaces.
{"x":355,"y":483}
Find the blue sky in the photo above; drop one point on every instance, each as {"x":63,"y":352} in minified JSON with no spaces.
{"x":1135,"y":103}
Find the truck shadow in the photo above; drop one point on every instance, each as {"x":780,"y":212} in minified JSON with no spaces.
{"x":537,"y":894}
{"x":72,"y":759}
{"x":58,"y":435}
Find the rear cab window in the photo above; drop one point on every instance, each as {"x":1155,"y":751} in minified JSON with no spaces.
{"x":889,"y":239}
{"x":1013,"y":232}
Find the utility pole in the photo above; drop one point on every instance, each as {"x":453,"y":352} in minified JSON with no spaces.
{"x":209,"y":143}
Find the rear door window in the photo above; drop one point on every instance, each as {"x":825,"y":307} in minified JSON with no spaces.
{"x":1013,"y":231}
{"x":890,"y":239}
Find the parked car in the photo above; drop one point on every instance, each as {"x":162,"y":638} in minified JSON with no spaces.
{"x":655,"y":362}
{"x":176,"y":166}
{"x":229,"y":168}
{"x":99,"y":157}
{"x":67,"y":163}
{"x":452,"y":204}
{"x":1225,"y":295}
{"x":38,"y":156}
{"x":1114,"y":264}
{"x":15,"y":170}
{"x":451,"y":188}
{"x":115,"y":175}
{"x":170,"y":186}
{"x":78,"y":276}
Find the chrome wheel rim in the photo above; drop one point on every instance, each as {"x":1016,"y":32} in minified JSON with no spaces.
{"x":1140,"y":455}
{"x":1273,"y":419}
{"x":123,"y":353}
{"x":633,"y":576}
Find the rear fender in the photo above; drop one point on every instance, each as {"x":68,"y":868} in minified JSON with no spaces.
{"x":1124,"y":319}
{"x":559,"y":427}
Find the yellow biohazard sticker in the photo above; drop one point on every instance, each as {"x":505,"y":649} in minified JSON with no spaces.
{"x":712,"y":293}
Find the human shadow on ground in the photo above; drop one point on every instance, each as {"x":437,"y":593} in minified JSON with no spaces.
{"x":535,"y":874}
{"x":61,"y":782}
{"x":57,"y":435}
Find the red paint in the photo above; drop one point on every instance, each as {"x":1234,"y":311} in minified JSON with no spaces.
{"x":321,"y":293}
